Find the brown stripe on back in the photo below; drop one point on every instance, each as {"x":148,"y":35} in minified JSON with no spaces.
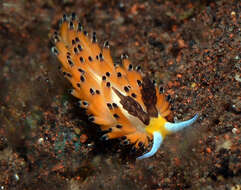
{"x":133,"y":107}
{"x":148,"y":93}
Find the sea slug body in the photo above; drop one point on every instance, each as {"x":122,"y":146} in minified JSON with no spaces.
{"x":118,"y":98}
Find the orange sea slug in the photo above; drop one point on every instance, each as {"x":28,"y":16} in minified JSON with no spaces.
{"x":116,"y":97}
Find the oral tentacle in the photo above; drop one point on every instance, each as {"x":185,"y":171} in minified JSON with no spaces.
{"x":157,"y":141}
{"x":174,"y":127}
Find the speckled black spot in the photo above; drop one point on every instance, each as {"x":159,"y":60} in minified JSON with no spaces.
{"x":101,"y":57}
{"x":82,"y":78}
{"x":73,"y":42}
{"x":168,"y":97}
{"x":56,"y":38}
{"x":70,"y":63}
{"x":71,"y":25}
{"x":103,"y":77}
{"x":115,"y":105}
{"x":124,"y":56}
{"x":140,"y":144}
{"x":119,"y":74}
{"x":85,"y":33}
{"x":126,"y":142}
{"x":118,"y":126}
{"x":116,"y":116}
{"x":80,"y":47}
{"x":133,"y":95}
{"x":92,"y":92}
{"x":138,"y":68}
{"x":68,"y":75}
{"x":94,"y":39}
{"x":106,"y":44}
{"x":73,"y":16}
{"x":75,"y":50}
{"x":161,"y":90}
{"x":108,"y":84}
{"x":77,"y":40}
{"x":130,"y":67}
{"x":126,"y":89}
{"x":64,"y":17}
{"x":85,"y":103}
{"x":81,"y":59}
{"x":80,"y":27}
{"x":81,"y":70}
{"x":107,"y":74}
{"x":70,"y":91}
{"x":109,"y":105}
{"x":138,"y":82}
{"x":54,"y":51}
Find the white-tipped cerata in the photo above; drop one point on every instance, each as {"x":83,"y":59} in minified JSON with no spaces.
{"x":174,"y":127}
{"x":157,"y":141}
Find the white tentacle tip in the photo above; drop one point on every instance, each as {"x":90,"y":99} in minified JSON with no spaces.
{"x":157,"y":141}
{"x":174,"y":127}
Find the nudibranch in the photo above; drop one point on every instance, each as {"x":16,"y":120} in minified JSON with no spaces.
{"x":118,"y":97}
